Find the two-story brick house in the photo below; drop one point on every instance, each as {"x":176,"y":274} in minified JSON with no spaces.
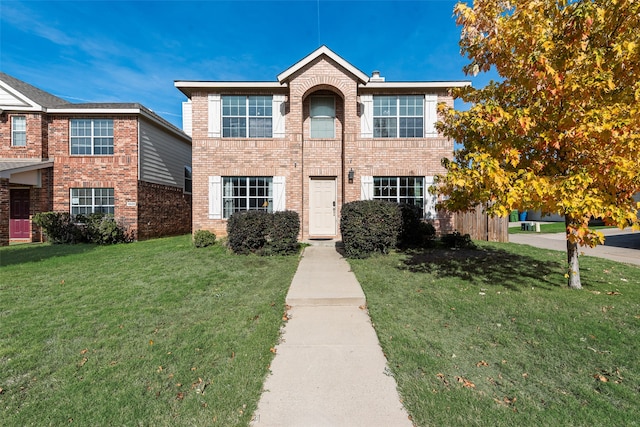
{"x":120,"y":158}
{"x":322,"y":135}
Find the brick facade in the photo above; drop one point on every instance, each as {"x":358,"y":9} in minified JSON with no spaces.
{"x":4,"y":212}
{"x":118,"y":171}
{"x":162,"y":211}
{"x":46,"y":168}
{"x":300,"y":158}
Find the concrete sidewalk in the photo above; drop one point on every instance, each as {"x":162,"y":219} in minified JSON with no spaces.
{"x":619,"y":245}
{"x":329,"y":369}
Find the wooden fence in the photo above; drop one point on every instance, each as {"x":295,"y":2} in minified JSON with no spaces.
{"x":481,"y":226}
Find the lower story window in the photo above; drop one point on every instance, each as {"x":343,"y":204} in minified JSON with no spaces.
{"x":254,"y":193}
{"x":90,"y":200}
{"x":400,"y":189}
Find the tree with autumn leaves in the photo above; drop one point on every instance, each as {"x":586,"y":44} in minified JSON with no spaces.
{"x":560,"y":133}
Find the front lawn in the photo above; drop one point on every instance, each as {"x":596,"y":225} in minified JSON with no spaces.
{"x":149,"y":333}
{"x":494,"y":337}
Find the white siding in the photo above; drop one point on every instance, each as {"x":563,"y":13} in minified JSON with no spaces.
{"x":214,"y":115}
{"x":187,"y":116}
{"x":162,"y":156}
{"x":9,"y":100}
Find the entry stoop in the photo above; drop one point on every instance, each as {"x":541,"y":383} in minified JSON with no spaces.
{"x":324,"y":278}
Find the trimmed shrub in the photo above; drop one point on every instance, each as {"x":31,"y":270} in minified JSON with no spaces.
{"x":263,"y":233}
{"x":410,"y":235}
{"x":282,"y":239}
{"x":102,"y":229}
{"x":59,"y":227}
{"x":99,"y":228}
{"x":456,"y":240}
{"x":203,"y":238}
{"x":427,"y":233}
{"x":369,"y":226}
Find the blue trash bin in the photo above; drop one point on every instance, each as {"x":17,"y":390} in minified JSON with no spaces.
{"x":523,"y":216}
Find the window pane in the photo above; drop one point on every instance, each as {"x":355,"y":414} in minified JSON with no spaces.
{"x":247,"y":193}
{"x":384,"y":128}
{"x":322,"y":106}
{"x":384,"y":106}
{"x":260,"y":127}
{"x":234,"y":127}
{"x":90,"y":200}
{"x":19,"y":131}
{"x":411,"y":127}
{"x":322,"y":127}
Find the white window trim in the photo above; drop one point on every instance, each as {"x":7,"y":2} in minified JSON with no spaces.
{"x":14,"y":131}
{"x":216,"y":199}
{"x":93,"y":137}
{"x":93,"y":198}
{"x":322,"y":117}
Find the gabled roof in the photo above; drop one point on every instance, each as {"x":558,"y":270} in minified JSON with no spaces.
{"x":22,"y":95}
{"x":9,"y":167}
{"x":322,"y":50}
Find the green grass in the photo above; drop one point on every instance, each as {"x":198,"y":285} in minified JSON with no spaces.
{"x":150,"y":333}
{"x":493,"y":337}
{"x":554,"y":227}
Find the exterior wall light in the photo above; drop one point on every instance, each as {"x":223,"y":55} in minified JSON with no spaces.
{"x":350,"y":175}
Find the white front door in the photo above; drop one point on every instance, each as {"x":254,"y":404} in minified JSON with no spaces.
{"x":322,"y":207}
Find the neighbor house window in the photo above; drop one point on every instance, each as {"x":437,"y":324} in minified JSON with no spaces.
{"x":188,"y":179}
{"x":253,"y":193}
{"x":92,"y":137}
{"x":90,"y":200}
{"x":398,"y":116}
{"x":247,"y":115}
{"x":400,"y":189}
{"x":322,"y":110}
{"x":18,"y":131}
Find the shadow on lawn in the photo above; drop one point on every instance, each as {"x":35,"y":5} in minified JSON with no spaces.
{"x":34,"y":252}
{"x":486,"y":266}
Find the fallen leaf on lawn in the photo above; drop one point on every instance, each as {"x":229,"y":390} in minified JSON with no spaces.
{"x":82,"y":362}
{"x":180,"y":396}
{"x":601,"y":378}
{"x":482,"y":363}
{"x":159,"y":369}
{"x":613,"y":293}
{"x":150,"y":342}
{"x":273,"y":350}
{"x":84,"y":351}
{"x":465,"y":382}
{"x":595,"y":292}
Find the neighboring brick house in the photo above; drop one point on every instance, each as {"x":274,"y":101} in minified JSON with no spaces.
{"x":80,"y":158}
{"x":322,"y":135}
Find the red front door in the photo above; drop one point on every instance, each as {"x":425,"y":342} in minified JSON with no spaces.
{"x":19,"y":224}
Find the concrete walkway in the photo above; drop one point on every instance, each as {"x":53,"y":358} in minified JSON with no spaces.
{"x":619,"y":245}
{"x":329,"y":369}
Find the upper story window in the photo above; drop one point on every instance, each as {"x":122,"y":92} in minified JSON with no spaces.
{"x":92,"y":137}
{"x":244,"y":116}
{"x":398,"y":116}
{"x":322,"y":110}
{"x":18,"y":131}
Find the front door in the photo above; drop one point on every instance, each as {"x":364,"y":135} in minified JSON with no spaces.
{"x":322,"y":207}
{"x":19,"y":224}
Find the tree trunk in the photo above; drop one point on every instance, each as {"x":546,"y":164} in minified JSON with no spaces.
{"x":573,"y":274}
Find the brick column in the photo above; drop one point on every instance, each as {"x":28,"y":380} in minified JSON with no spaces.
{"x":4,"y":212}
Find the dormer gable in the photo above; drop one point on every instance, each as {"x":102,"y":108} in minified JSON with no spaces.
{"x":322,"y":50}
{"x":20,"y":96}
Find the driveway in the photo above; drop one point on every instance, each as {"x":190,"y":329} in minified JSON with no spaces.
{"x":619,"y":245}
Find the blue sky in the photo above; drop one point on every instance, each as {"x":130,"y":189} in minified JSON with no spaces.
{"x":132,"y":51}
